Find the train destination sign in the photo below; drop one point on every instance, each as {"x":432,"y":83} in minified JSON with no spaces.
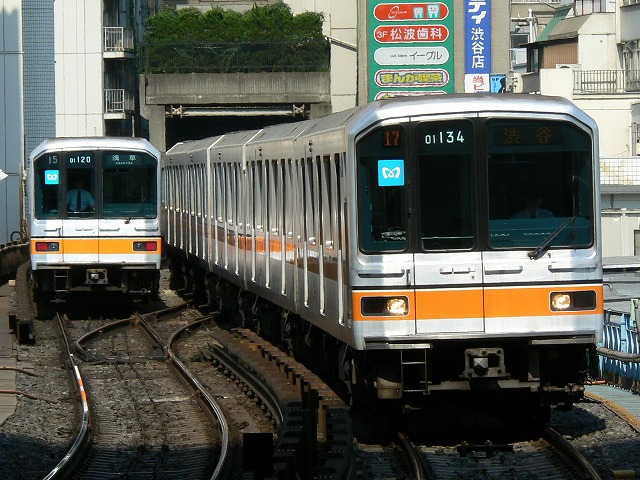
{"x":411,"y":11}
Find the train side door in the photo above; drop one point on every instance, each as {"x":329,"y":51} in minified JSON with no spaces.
{"x":447,"y":264}
{"x":80,"y":224}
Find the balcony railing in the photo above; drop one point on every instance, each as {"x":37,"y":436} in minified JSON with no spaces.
{"x":606,"y":81}
{"x":118,"y":39}
{"x":304,"y":56}
{"x":620,"y":171}
{"x":118,"y":100}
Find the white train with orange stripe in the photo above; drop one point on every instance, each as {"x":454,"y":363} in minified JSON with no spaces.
{"x":391,"y":241}
{"x":106,"y":239}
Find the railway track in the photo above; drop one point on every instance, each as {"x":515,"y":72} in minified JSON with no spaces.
{"x":145,"y":421}
{"x":134,"y":392}
{"x":242,"y":370}
{"x":421,"y":447}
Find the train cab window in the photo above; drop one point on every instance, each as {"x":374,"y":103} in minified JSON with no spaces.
{"x":79,"y":200}
{"x":129,"y":184}
{"x":540,"y":184}
{"x":47,"y":185}
{"x":382,"y":189}
{"x":446,"y":193}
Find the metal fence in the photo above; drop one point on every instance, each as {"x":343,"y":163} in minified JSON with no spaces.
{"x":118,"y":100}
{"x":619,"y":170}
{"x":304,"y":56}
{"x":620,"y":351}
{"x":606,"y":81}
{"x":118,"y":39}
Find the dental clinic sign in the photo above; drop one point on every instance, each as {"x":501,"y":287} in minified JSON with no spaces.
{"x":410,"y":48}
{"x":477,"y":43}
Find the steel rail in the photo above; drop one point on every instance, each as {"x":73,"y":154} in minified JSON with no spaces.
{"x":570,"y":453}
{"x":83,"y":439}
{"x":209,"y":402}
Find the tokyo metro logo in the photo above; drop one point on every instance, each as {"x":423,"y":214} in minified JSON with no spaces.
{"x":51,"y":177}
{"x":390,"y":173}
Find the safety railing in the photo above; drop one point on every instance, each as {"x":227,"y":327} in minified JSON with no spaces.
{"x":118,"y":100}
{"x":620,"y":351}
{"x":605,"y":81}
{"x":301,"y":56}
{"x":118,"y":39}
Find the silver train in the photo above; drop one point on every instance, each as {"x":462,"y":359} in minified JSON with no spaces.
{"x":107,"y":236}
{"x":416,"y":246}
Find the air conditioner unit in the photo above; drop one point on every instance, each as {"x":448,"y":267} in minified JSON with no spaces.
{"x":572,"y":66}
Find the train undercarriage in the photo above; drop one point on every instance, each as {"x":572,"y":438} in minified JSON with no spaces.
{"x":55,"y":284}
{"x":547,"y":372}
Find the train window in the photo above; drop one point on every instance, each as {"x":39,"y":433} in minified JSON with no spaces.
{"x":47,"y":185}
{"x":446,"y":179}
{"x":79,"y":198}
{"x":311,"y":201}
{"x":258,"y":199}
{"x":327,"y":202}
{"x":129,"y":185}
{"x":381,"y":190}
{"x":540,"y":184}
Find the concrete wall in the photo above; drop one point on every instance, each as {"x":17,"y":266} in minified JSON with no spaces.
{"x":618,"y":232}
{"x":341,"y":27}
{"x":78,"y":58}
{"x":236,"y":88}
{"x":11,"y":116}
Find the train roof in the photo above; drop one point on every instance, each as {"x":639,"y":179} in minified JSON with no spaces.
{"x":95,"y":143}
{"x":467,"y":103}
{"x":189,"y":146}
{"x":359,"y":118}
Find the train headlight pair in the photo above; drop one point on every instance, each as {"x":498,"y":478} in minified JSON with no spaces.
{"x":573,"y":301}
{"x":385,"y":306}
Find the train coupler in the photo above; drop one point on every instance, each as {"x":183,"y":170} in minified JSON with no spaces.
{"x":484,"y":363}
{"x":97,"y":276}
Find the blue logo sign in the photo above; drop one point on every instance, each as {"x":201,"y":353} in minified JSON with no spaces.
{"x":51,"y":177}
{"x":390,"y":173}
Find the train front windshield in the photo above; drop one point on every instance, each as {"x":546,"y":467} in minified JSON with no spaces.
{"x":475,"y":184}
{"x":95,"y":184}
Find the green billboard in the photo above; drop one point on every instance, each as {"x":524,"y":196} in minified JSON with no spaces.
{"x":410,"y":48}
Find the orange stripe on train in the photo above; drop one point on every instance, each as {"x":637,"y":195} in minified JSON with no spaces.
{"x":491,"y":302}
{"x":88,"y":246}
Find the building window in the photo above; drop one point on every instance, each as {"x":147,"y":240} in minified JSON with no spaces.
{"x":636,"y":242}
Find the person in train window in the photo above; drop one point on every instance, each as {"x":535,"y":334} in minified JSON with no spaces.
{"x":532,"y":202}
{"x":79,"y":199}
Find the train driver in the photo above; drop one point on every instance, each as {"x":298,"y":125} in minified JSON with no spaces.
{"x":532,"y":200}
{"x":79,"y":199}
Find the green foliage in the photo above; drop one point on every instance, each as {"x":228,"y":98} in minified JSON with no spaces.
{"x":262,"y":39}
{"x":270,"y":23}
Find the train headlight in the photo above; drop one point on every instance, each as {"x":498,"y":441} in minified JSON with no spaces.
{"x":385,"y":306}
{"x":573,"y":301}
{"x":560,"y":301}
{"x":397,"y":306}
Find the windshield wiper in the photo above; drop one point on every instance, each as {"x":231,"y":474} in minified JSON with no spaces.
{"x":135,"y":210}
{"x":538,"y":252}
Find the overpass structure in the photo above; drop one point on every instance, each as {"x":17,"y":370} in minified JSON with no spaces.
{"x":257,"y":99}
